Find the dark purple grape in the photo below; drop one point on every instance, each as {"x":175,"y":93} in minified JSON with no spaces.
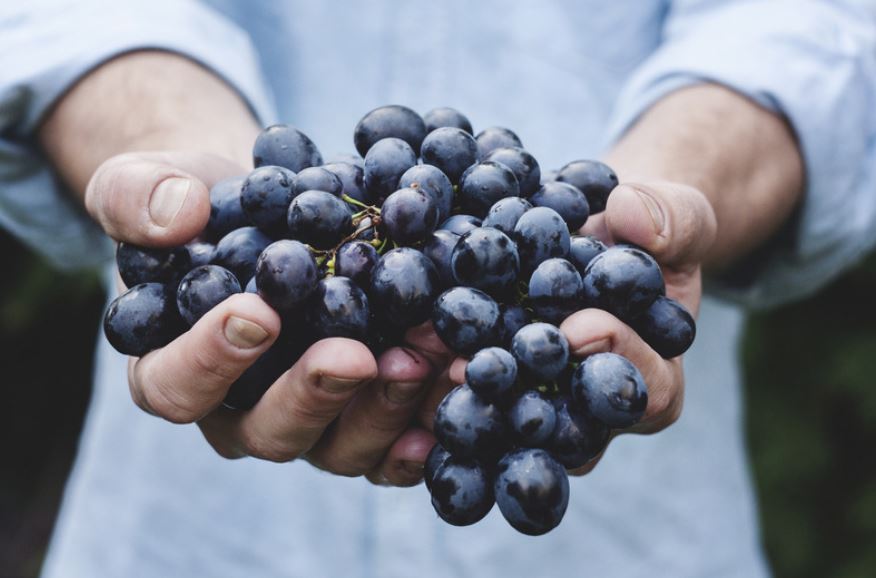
{"x":408,"y":216}
{"x":141,"y":319}
{"x":318,"y":179}
{"x":541,"y":351}
{"x":608,"y":387}
{"x":514,"y":317}
{"x":522,"y":164}
{"x":148,"y":265}
{"x":431,"y":181}
{"x":352,"y":179}
{"x":319,"y":219}
{"x":389,"y":121}
{"x":436,"y":458}
{"x":450,"y":149}
{"x":496,"y":137}
{"x":356,"y":260}
{"x":265,"y":198}
{"x":446,"y":116}
{"x":403,"y":287}
{"x":469,"y":426}
{"x":286,"y":275}
{"x":582,"y":250}
{"x":486,"y":259}
{"x":566,"y":200}
{"x":549,"y":176}
{"x":624,"y":281}
{"x":247,"y":389}
{"x":540,"y":234}
{"x":555,"y":290}
{"x":491,"y":373}
{"x":593,"y":178}
{"x":239,"y":250}
{"x":532,"y":417}
{"x":385,"y":163}
{"x":200,"y":253}
{"x":346,"y":158}
{"x":226,"y":212}
{"x":202,"y":289}
{"x":576,"y":439}
{"x":251,"y":286}
{"x":460,"y":224}
{"x":285,"y":146}
{"x":483,"y":185}
{"x":505,"y":213}
{"x":532,"y":491}
{"x":467,"y":320}
{"x":667,"y":327}
{"x":439,"y":247}
{"x":462,"y":492}
{"x":338,"y":308}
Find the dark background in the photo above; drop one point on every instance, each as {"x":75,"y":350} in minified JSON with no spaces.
{"x":811,"y":400}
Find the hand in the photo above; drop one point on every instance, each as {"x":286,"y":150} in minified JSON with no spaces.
{"x":338,"y":407}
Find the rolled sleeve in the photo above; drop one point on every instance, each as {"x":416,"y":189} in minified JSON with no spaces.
{"x":45,"y":47}
{"x":813,"y":62}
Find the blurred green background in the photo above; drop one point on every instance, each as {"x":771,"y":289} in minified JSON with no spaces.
{"x":811,"y":401}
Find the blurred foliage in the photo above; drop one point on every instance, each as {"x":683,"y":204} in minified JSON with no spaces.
{"x":811,"y":401}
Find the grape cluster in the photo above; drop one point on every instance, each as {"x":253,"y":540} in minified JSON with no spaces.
{"x":430,"y":223}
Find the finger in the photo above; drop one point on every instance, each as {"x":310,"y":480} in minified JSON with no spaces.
{"x":403,"y":464}
{"x":300,"y":405}
{"x":675,"y":223}
{"x":595,"y":227}
{"x":155,"y":199}
{"x":593,"y":331}
{"x":457,"y":370}
{"x":424,"y":339}
{"x":433,"y":398}
{"x":190,"y":376}
{"x":375,"y":417}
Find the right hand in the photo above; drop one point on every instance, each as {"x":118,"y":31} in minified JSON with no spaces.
{"x":337,"y":406}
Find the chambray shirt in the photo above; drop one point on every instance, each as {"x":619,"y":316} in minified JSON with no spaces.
{"x":147,"y":498}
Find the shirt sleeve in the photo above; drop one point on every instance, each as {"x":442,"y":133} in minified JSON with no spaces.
{"x":45,"y":47}
{"x":815,"y":63}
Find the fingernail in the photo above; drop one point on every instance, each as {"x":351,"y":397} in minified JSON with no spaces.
{"x":402,"y":392}
{"x":243,"y":333}
{"x":167,"y":200}
{"x":654,"y":210}
{"x":337,"y":384}
{"x":599,"y":346}
{"x":412,"y":468}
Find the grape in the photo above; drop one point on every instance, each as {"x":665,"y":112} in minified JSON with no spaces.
{"x":141,"y":319}
{"x":532,"y":417}
{"x":356,"y":260}
{"x":251,"y":286}
{"x":408,"y":216}
{"x":555,"y":290}
{"x":486,"y":259}
{"x":317,"y":179}
{"x":593,"y":178}
{"x":199,"y":253}
{"x":540,"y":234}
{"x":385,"y":163}
{"x":532,"y":491}
{"x":505,"y":213}
{"x":239,"y":250}
{"x":204,"y":288}
{"x":346,"y":158}
{"x":247,"y":389}
{"x":450,"y":149}
{"x":495,"y":137}
{"x":522,"y":164}
{"x":436,"y":458}
{"x":624,"y":281}
{"x":446,"y":116}
{"x":439,"y":247}
{"x":352,"y":177}
{"x":575,"y":439}
{"x":582,"y":250}
{"x":285,"y":146}
{"x":226,"y":212}
{"x":540,"y":350}
{"x":667,"y":327}
{"x":460,"y":224}
{"x":462,"y":492}
{"x":566,"y":200}
{"x":403,"y":286}
{"x":609,"y":388}
{"x":514,"y":317}
{"x":147,"y":265}
{"x":491,"y":373}
{"x":286,"y":274}
{"x":319,"y":219}
{"x":265,"y":198}
{"x":466,"y":320}
{"x":338,"y":308}
{"x":469,"y":426}
{"x":431,"y":181}
{"x":389,"y":121}
{"x":484,"y":184}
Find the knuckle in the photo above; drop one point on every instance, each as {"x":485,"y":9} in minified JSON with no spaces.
{"x":205,"y":363}
{"x":170,"y":405}
{"x":270,"y":450}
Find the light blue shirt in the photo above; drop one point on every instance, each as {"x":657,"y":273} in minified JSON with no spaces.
{"x":147,"y":498}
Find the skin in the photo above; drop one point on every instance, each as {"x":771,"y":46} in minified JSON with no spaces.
{"x":338,"y":407}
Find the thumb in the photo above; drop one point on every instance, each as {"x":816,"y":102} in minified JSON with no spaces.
{"x":155,"y":199}
{"x":673,"y":222}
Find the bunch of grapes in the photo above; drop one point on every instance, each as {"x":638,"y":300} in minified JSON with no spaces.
{"x":430,"y":223}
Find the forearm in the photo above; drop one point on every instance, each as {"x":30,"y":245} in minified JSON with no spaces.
{"x":742,"y":157}
{"x":145,"y":101}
